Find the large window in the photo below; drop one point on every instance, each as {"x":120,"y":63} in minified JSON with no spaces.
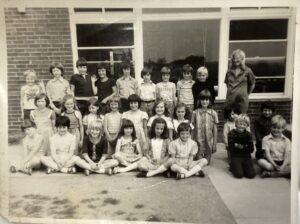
{"x":176,"y":43}
{"x":106,"y":43}
{"x":265,"y":44}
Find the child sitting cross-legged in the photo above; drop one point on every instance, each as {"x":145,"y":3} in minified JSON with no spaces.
{"x":33,"y":147}
{"x":62,"y":146}
{"x":95,"y":151}
{"x":277,"y":149}
{"x":182,"y":151}
{"x":240,"y":145}
{"x":156,"y":159}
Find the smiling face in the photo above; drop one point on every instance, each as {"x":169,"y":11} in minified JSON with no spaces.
{"x":93,"y":109}
{"x":237,"y":60}
{"x":95,"y":132}
{"x":180,"y":112}
{"x":82,"y":70}
{"x":126,"y":72}
{"x":62,"y":130}
{"x":184,"y":135}
{"x":202,"y":76}
{"x":241,"y":126}
{"x":160,"y":109}
{"x":165,"y":77}
{"x":114,"y":106}
{"x":204,"y":103}
{"x":159,"y":129}
{"x":41,"y":103}
{"x":102,"y":73}
{"x":147,"y":77}
{"x":267,"y":112}
{"x":30,"y":79}
{"x":56,"y":72}
{"x":276,"y":131}
{"x":187,"y":75}
{"x":128,"y":131}
{"x":69,"y":104}
{"x":134,"y":105}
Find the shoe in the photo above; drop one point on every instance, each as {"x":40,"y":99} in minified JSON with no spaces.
{"x":201,"y":174}
{"x":29,"y":171}
{"x":13,"y":169}
{"x":265,"y":174}
{"x":141,"y":174}
{"x":49,"y":170}
{"x":180,"y":176}
{"x":87,"y":172}
{"x":109,"y":171}
{"x":167,"y":174}
{"x":115,"y":170}
{"x":72,"y":170}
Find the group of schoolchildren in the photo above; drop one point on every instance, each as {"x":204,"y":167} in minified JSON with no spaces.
{"x":100,"y":125}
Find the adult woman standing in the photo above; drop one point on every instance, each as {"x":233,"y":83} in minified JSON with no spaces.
{"x":240,"y":81}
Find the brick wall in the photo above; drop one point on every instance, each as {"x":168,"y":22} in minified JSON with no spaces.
{"x":34,"y":40}
{"x":40,"y":36}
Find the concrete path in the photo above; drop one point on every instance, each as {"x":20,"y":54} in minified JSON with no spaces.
{"x":218,"y":198}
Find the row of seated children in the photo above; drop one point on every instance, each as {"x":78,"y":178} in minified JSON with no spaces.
{"x":273,"y":148}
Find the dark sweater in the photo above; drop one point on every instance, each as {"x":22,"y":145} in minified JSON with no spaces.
{"x":199,"y":86}
{"x":262,"y":127}
{"x":242,"y":138}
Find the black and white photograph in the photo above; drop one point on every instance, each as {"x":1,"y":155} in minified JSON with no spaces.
{"x":149,"y":111}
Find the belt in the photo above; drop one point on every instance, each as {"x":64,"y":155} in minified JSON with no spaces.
{"x":148,"y":101}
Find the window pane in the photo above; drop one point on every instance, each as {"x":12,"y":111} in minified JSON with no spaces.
{"x":261,"y":49}
{"x":176,"y":43}
{"x":179,"y":10}
{"x":94,"y":55}
{"x":258,"y":29}
{"x":92,"y":35}
{"x":269,"y":86}
{"x":275,"y":67}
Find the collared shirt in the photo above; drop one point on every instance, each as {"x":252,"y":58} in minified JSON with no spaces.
{"x":82,"y":84}
{"x":62,"y":145}
{"x":57,"y":88}
{"x":166,"y":91}
{"x":183,"y":150}
{"x":276,"y":146}
{"x":126,"y":87}
{"x":184,"y":88}
{"x":147,"y":91}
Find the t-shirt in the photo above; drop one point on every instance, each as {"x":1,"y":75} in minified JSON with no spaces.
{"x":83,"y":85}
{"x":105,"y":89}
{"x":62,"y":145}
{"x":147,"y":91}
{"x":184,"y":87}
{"x":29,"y":93}
{"x":166,"y":91}
{"x":94,"y":151}
{"x":276,"y":147}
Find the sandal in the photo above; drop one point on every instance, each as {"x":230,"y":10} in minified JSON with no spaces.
{"x":200,"y":174}
{"x":49,"y":170}
{"x":180,"y":176}
{"x":87,"y":172}
{"x":142,"y":174}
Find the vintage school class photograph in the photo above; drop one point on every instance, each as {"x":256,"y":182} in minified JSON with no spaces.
{"x":140,"y":113}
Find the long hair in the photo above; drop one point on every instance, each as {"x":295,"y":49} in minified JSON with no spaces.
{"x":95,"y":102}
{"x":166,"y":112}
{"x":165,"y":133}
{"x":187,"y":112}
{"x":204,"y":94}
{"x":64,"y":100}
{"x":127,"y":124}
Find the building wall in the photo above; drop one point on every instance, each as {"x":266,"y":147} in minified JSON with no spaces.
{"x":34,"y":39}
{"x":42,"y":35}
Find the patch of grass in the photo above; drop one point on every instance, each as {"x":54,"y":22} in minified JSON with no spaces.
{"x":139,"y":206}
{"x":60,"y":202}
{"x":111,"y":201}
{"x":119,"y":212}
{"x":153,"y":218}
{"x":16,"y":204}
{"x":104,"y":192}
{"x":32,"y":209}
{"x":92,"y":206}
{"x":37,"y":197}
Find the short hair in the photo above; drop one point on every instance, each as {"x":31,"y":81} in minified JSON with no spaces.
{"x":27,"y":124}
{"x":115,"y":99}
{"x":158,"y":120}
{"x":134,"y":98}
{"x":187,"y":68}
{"x":126,"y":64}
{"x":62,"y":121}
{"x":204,"y":94}
{"x":187,"y":112}
{"x":127,"y":124}
{"x":243,"y":118}
{"x":96,"y":125}
{"x":57,"y":65}
{"x":145,"y":71}
{"x":41,"y":96}
{"x":165,"y":70}
{"x":231,"y":108}
{"x":159,"y":101}
{"x":267,"y":105}
{"x":202,"y":69}
{"x":81,"y":62}
{"x":278,"y":121}
{"x":240,"y":53}
{"x":30,"y":72}
{"x":101,"y":66}
{"x":184,"y":126}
